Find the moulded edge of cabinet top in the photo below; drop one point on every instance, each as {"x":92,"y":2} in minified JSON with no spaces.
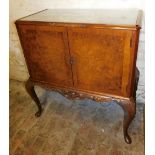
{"x":127,"y":18}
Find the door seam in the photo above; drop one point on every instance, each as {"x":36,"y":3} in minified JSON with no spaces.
{"x":70,"y":57}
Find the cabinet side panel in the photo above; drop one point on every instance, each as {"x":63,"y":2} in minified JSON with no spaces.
{"x":46,"y":51}
{"x":133,"y":52}
{"x":99,"y":59}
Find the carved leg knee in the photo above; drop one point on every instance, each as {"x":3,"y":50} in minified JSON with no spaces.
{"x":30,"y":89}
{"x":129,"y":108}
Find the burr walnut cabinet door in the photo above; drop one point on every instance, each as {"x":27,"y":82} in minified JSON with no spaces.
{"x":101,"y":59}
{"x":47,"y":54}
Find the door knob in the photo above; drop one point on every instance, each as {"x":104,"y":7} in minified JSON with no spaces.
{"x":72,"y":60}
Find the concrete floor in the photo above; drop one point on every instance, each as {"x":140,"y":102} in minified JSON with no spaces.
{"x":66,"y":127}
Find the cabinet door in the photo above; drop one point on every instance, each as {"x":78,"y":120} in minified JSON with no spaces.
{"x":47,"y":54}
{"x":101,"y":59}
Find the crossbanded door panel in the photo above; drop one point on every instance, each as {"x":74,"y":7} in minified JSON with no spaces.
{"x":47,"y":54}
{"x":101,"y":59}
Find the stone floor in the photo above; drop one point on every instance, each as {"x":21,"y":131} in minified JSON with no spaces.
{"x":66,"y":127}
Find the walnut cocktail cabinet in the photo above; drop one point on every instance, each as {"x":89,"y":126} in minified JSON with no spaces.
{"x":83,"y":54}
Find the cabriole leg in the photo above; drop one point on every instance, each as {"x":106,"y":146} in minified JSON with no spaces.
{"x":129,"y":108}
{"x":29,"y":85}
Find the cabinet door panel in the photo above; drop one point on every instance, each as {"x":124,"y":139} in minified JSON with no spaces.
{"x":47,"y":54}
{"x":101,"y":59}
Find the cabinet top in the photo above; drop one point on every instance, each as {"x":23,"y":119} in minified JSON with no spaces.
{"x":120,"y":17}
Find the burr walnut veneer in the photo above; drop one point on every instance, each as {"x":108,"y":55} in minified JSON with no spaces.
{"x":83,"y":54}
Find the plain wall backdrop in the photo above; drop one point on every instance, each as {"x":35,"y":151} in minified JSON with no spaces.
{"x":20,"y":8}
